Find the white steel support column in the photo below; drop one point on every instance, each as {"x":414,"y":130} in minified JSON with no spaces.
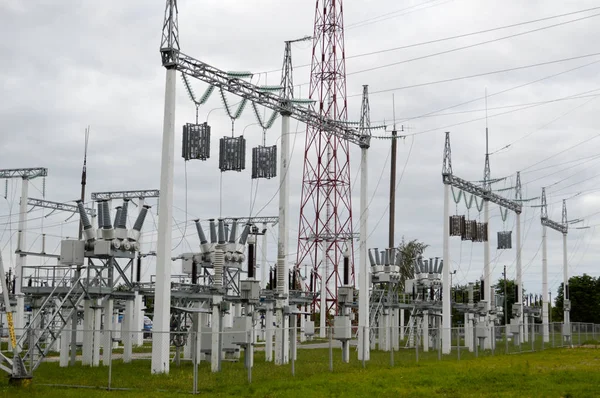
{"x":21,"y":259}
{"x":88,"y":332}
{"x":127,"y":331}
{"x":215,"y":348}
{"x":487,"y":276}
{"x":65,"y":341}
{"x":402,"y":324}
{"x":264,"y":269}
{"x":519,"y":277}
{"x":269,"y":333}
{"x":545,"y":329}
{"x":395,"y":329}
{"x":446,"y":309}
{"x":283,"y":333}
{"x":97,"y":335}
{"x":162,"y":290}
{"x":363,"y":275}
{"x":425,"y":329}
{"x":138,"y":315}
{"x":566,"y":296}
{"x":108,"y":327}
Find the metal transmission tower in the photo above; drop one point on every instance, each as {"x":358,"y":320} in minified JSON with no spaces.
{"x":562,"y":227}
{"x":325,"y":207}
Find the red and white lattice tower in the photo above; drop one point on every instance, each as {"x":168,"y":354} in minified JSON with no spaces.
{"x":325,"y":230}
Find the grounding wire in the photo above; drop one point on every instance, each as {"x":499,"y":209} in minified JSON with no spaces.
{"x":444,"y":39}
{"x":470,"y":46}
{"x":547,"y":124}
{"x":428,"y":114}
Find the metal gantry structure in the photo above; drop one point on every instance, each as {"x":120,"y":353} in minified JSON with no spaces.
{"x":26,"y":174}
{"x":485,"y":193}
{"x":563,"y":228}
{"x":173,"y":59}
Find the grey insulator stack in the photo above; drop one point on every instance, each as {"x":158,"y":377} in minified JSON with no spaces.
{"x":226,"y":230}
{"x":440,"y":267}
{"x":201,"y":235}
{"x":88,"y":231}
{"x":100,"y":214}
{"x":431,"y":267}
{"x":118,"y":216}
{"x":221,"y":236}
{"x":213,"y":231}
{"x":372,"y":258}
{"x":107,"y":229}
{"x":106,"y":215}
{"x":233,"y":231}
{"x":122,"y":222}
{"x":382,"y":258}
{"x":139,"y":223}
{"x":377,"y":260}
{"x":244,"y":235}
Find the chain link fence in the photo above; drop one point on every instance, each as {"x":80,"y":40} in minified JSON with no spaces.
{"x":121,"y":360}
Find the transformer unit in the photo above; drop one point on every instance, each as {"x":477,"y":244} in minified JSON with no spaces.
{"x":196,"y":141}
{"x":264,"y":162}
{"x":232,"y":153}
{"x":505,"y":240}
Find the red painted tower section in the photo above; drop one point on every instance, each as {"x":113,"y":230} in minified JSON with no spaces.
{"x":326,"y":209}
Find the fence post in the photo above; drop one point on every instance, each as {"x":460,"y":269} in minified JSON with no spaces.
{"x":250,"y":362}
{"x":293,"y":352}
{"x":505,"y":339}
{"x":195,"y":362}
{"x":330,"y":349}
{"x":110,"y":359}
{"x":364,"y":345}
{"x":391,"y":349}
{"x":457,"y":342}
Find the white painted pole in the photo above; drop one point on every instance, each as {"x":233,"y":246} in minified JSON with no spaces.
{"x":519,"y":277}
{"x":108,"y":327}
{"x":21,"y":259}
{"x":446,"y":309}
{"x":282,"y":320}
{"x":264,"y":269}
{"x":88,"y":333}
{"x":567,"y":315}
{"x":323,"y":296}
{"x":97,"y":335}
{"x":269,"y":333}
{"x":363,"y":276}
{"x":545,"y":329}
{"x":126,"y":333}
{"x":487,"y":277}
{"x":162,"y":289}
{"x":138,"y":315}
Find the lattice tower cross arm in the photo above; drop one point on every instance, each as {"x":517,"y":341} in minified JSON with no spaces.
{"x":447,"y":162}
{"x":58,"y":206}
{"x":29,"y":173}
{"x":151,"y":193}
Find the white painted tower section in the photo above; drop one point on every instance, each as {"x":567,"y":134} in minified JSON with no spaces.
{"x":363,"y":276}
{"x":519,"y":276}
{"x":162,"y":292}
{"x":566,"y":314}
{"x":545,"y":329}
{"x":446,"y":310}
{"x":21,"y":260}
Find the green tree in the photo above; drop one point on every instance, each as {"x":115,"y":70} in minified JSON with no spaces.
{"x":410,"y":250}
{"x":510,"y":295}
{"x":584,"y":293}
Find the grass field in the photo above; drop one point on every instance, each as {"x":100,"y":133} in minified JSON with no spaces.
{"x":565,"y":372}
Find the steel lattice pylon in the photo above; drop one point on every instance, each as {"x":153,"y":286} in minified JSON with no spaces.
{"x":325,"y":207}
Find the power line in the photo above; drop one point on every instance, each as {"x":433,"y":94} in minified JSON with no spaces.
{"x":470,"y":34}
{"x":470,"y":45}
{"x":485,"y":74}
{"x":497,"y":93}
{"x":561,"y":152}
{"x":391,"y":15}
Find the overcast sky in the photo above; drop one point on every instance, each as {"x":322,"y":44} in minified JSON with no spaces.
{"x":69,"y":64}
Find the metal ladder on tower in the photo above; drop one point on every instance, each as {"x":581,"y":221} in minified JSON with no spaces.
{"x":54,"y":314}
{"x":411,"y":327}
{"x":375,"y":310}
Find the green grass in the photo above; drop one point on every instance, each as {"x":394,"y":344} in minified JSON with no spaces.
{"x":551,"y":373}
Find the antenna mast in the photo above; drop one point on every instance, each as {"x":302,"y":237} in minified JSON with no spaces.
{"x":84,"y":175}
